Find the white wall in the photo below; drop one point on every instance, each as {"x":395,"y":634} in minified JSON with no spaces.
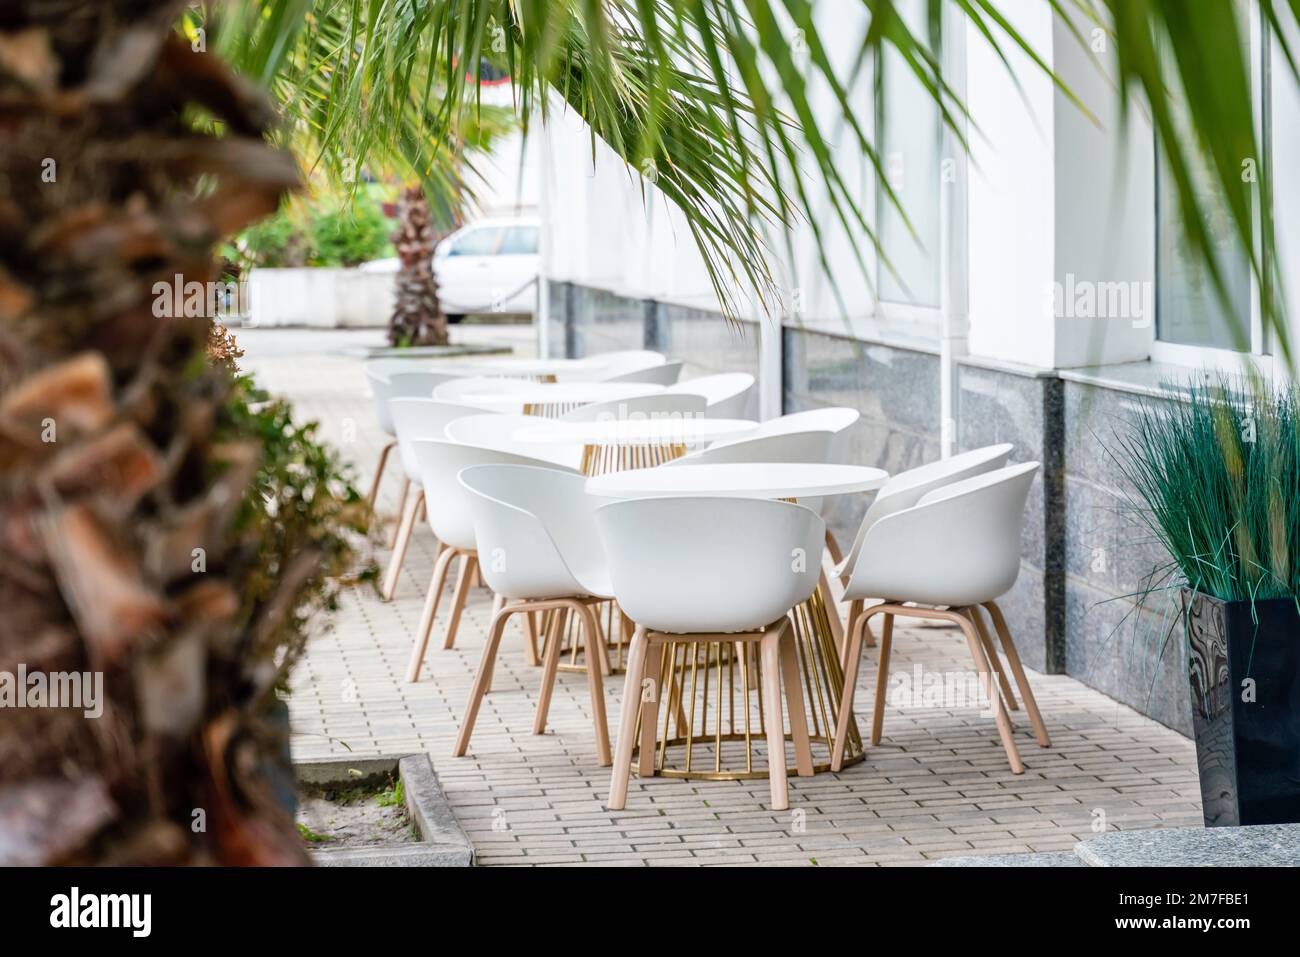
{"x":1011,"y":189}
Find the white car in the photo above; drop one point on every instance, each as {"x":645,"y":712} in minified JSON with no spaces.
{"x":489,"y":265}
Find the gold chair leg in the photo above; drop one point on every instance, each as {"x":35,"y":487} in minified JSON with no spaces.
{"x":882,"y":678}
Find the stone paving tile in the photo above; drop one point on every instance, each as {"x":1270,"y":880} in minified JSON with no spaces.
{"x":937,"y":785}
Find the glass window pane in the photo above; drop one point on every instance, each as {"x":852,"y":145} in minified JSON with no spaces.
{"x":520,"y":240}
{"x":476,"y":242}
{"x":910,"y":140}
{"x":1189,"y":310}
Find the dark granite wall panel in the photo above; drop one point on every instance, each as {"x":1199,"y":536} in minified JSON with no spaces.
{"x":708,"y":343}
{"x":995,"y":406}
{"x":895,"y":390}
{"x":597,"y":321}
{"x":1134,"y":652}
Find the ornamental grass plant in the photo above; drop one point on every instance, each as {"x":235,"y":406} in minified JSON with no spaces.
{"x":1216,"y":476}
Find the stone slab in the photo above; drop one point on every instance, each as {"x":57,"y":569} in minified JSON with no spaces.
{"x":1264,"y":845}
{"x":1060,"y":859}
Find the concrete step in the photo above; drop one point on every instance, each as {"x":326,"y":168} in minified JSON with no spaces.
{"x":1264,"y":845}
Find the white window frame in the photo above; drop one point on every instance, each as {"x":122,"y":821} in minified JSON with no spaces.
{"x":1211,"y":357}
{"x":924,"y":320}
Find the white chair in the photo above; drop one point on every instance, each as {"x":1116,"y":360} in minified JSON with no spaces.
{"x":660,"y":405}
{"x":380,"y":373}
{"x":380,"y":391}
{"x":618,"y":363}
{"x":414,"y":419}
{"x":418,"y":384}
{"x":497,"y":432}
{"x":535,"y":533}
{"x":954,"y":550}
{"x":665,"y":374}
{"x":836,"y":420}
{"x":447,"y":507}
{"x":456,"y":390}
{"x":812,"y":446}
{"x":709,"y":570}
{"x":907,"y":488}
{"x":728,"y":395}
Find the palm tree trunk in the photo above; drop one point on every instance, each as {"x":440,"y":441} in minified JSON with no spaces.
{"x":119,"y":557}
{"x":417,"y":314}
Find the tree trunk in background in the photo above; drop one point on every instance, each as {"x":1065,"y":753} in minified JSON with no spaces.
{"x":417,"y":315}
{"x":119,"y":478}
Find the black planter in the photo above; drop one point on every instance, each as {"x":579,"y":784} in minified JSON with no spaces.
{"x":1244,"y":668}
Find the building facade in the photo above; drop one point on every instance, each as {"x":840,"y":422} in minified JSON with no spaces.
{"x":1042,"y":297}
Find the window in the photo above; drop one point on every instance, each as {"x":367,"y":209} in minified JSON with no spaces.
{"x":519,"y":241}
{"x":1189,"y":309}
{"x":477,"y":242}
{"x":910,"y":140}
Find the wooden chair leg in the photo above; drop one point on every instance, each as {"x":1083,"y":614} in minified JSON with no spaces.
{"x":467,"y":562}
{"x":995,"y":699}
{"x":436,"y":583}
{"x":794,"y":703}
{"x":551,"y":664}
{"x":774,"y":723}
{"x":855,"y":609}
{"x":622,"y":768}
{"x":379,"y":473}
{"x":401,"y":511}
{"x":404,"y":530}
{"x":498,"y":602}
{"x":852,"y":661}
{"x":480,"y":682}
{"x":882,"y":678}
{"x":651,"y":693}
{"x":833,"y":546}
{"x":1018,"y":670}
{"x":530,"y":640}
{"x":991,"y":653}
{"x":596,"y":684}
{"x":832,"y":610}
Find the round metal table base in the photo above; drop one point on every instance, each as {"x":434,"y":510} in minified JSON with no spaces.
{"x":712,"y":697}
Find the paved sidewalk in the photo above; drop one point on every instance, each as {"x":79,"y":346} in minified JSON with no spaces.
{"x":937,"y":785}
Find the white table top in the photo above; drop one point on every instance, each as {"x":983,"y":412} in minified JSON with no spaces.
{"x":666,"y":430}
{"x":562,"y":393}
{"x":741,"y":479}
{"x":508,"y":366}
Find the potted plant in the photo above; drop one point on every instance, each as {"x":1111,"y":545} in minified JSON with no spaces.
{"x":1217,"y":479}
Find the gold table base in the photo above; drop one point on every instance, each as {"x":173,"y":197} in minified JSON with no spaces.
{"x":713,"y":698}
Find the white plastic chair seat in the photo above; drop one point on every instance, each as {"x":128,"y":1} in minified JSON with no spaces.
{"x":447,"y":503}
{"x":710,"y":564}
{"x":415,"y":419}
{"x":905,"y":489}
{"x":659,"y":405}
{"x":497,"y":430}
{"x":728,"y":394}
{"x":959,"y":545}
{"x":536,"y":532}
